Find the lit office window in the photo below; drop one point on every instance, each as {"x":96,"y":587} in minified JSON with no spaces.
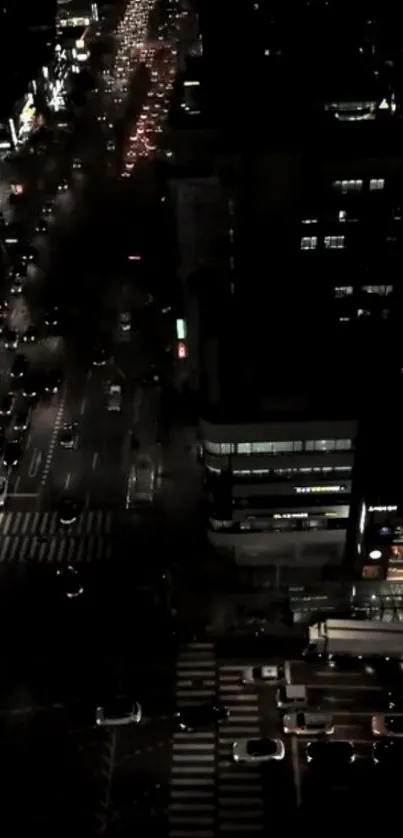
{"x":223,"y":448}
{"x":376,"y":184}
{"x":309,"y":242}
{"x":378,"y":290}
{"x":334,"y":242}
{"x":341,"y":291}
{"x":328,"y":445}
{"x":348,"y":185}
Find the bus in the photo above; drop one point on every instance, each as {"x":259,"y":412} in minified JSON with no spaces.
{"x":355,"y":638}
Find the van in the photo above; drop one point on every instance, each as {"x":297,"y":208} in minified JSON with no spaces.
{"x":291,"y":695}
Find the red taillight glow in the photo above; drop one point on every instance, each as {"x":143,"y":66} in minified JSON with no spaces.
{"x":182,"y":351}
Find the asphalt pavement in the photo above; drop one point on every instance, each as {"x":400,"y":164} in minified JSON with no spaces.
{"x":118,"y":636}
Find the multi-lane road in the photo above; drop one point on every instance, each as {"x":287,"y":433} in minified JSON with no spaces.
{"x":184,"y":784}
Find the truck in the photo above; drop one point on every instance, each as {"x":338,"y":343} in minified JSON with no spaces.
{"x":355,"y":638}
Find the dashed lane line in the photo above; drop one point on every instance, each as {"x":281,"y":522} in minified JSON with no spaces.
{"x":53,"y":440}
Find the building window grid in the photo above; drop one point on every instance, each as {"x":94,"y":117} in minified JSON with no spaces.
{"x":334,"y":242}
{"x":278,"y":447}
{"x":309,"y":242}
{"x":376,"y":184}
{"x":378,"y":290}
{"x":348,"y":185}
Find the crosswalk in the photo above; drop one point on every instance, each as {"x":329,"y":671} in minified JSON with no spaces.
{"x":91,"y":523}
{"x":193,"y":771}
{"x":209,"y":795}
{"x":38,"y":537}
{"x":240,"y":793}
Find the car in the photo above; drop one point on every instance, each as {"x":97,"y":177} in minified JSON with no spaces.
{"x":330,"y":756}
{"x":47,"y":209}
{"x":42,"y":226}
{"x":7,"y":405}
{"x":53,"y":381}
{"x":4,"y":306}
{"x":99,"y":357}
{"x":70,"y":582}
{"x":63,"y":186}
{"x":12,"y":453}
{"x":52,"y":317}
{"x":68,"y":435}
{"x":20,"y":367}
{"x":28,"y":254}
{"x":125,"y":321}
{"x":3,"y":489}
{"x":68,"y":511}
{"x":21,"y":420}
{"x":10,"y":337}
{"x":30,"y":336}
{"x":262,"y":674}
{"x":143,"y":479}
{"x":31,"y":387}
{"x":77,"y":164}
{"x":18,"y":272}
{"x":385,"y":724}
{"x":117,"y":712}
{"x":395,"y":701}
{"x":114,"y":403}
{"x":388,"y":753}
{"x":257,"y":751}
{"x":308,"y":724}
{"x":16,"y":287}
{"x":198,"y":716}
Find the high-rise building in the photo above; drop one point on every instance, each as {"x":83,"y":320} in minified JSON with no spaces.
{"x":299,"y":337}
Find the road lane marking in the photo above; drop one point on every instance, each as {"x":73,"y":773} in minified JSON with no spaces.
{"x":34,"y":463}
{"x":95,"y":460}
{"x":53,"y":440}
{"x":296,"y":770}
{"x":67,"y":481}
{"x":107,"y":798}
{"x":16,"y":484}
{"x":83,"y":406}
{"x":287,"y":672}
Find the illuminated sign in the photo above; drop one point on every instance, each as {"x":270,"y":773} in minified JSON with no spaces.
{"x":310,"y":490}
{"x":182,"y":351}
{"x":181,"y":329}
{"x":288,"y":515}
{"x":74,"y":21}
{"x":382,"y":509}
{"x":134,"y":258}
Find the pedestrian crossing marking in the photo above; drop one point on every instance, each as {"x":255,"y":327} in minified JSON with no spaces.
{"x":54,"y":550}
{"x":231,"y":800}
{"x":90,"y":523}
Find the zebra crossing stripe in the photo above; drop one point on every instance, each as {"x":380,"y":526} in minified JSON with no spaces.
{"x":17,"y":523}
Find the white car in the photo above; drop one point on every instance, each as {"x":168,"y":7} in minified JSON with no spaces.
{"x":114,"y":398}
{"x":308,"y":724}
{"x":125,"y":321}
{"x":257,"y":751}
{"x":3,"y":490}
{"x":120,"y":711}
{"x":262,"y":674}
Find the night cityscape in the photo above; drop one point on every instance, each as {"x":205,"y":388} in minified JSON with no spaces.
{"x":201,"y":533}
